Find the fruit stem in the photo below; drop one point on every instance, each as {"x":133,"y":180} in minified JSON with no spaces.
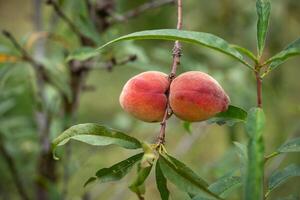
{"x":176,"y":62}
{"x":259,"y":89}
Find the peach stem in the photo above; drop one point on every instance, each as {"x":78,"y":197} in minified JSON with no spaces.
{"x":176,"y":62}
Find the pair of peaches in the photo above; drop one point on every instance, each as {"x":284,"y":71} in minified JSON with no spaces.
{"x":193,"y":96}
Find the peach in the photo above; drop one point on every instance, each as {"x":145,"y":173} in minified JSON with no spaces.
{"x":196,"y":96}
{"x":144,"y":96}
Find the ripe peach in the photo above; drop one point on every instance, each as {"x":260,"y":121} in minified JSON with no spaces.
{"x":144,"y":96}
{"x":196,"y":96}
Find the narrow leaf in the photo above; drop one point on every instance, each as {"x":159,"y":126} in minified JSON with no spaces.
{"x":199,"y":38}
{"x":292,"y":49}
{"x":245,"y":51}
{"x":243,"y":156}
{"x":82,"y":53}
{"x":161,"y":182}
{"x":138,"y":186}
{"x":222,"y":186}
{"x":189,"y":172}
{"x":183,"y":177}
{"x":263,"y":8}
{"x":231,"y":116}
{"x":290,"y":146}
{"x":115,"y":172}
{"x":95,"y":134}
{"x":280,"y":177}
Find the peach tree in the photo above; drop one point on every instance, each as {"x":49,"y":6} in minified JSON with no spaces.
{"x":193,"y":96}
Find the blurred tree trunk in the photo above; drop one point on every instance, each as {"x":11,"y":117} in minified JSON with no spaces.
{"x":46,"y":167}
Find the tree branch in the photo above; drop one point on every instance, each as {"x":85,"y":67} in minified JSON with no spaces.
{"x":176,"y":62}
{"x":139,"y":10}
{"x":72,"y":26}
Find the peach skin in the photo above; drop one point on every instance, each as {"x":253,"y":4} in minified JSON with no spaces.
{"x":144,"y":96}
{"x":196,"y":96}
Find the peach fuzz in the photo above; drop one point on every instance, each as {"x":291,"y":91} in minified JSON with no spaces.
{"x":144,"y":96}
{"x":196,"y":96}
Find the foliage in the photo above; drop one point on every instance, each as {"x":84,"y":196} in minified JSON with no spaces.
{"x":40,"y":95}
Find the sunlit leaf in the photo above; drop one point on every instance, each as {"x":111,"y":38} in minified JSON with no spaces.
{"x":198,"y":38}
{"x":231,"y":116}
{"x":161,"y":183}
{"x":95,"y":134}
{"x":263,"y":8}
{"x":280,"y":177}
{"x":290,"y":146}
{"x":150,"y":155}
{"x":183,"y":177}
{"x":115,"y":172}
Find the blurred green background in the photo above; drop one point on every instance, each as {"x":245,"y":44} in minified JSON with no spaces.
{"x":208,"y":149}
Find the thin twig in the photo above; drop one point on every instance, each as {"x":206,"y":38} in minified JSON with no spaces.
{"x":258,"y":89}
{"x":13,"y":170}
{"x":24,"y":53}
{"x":72,"y":26}
{"x":62,"y":15}
{"x":176,"y":62}
{"x":140,"y":9}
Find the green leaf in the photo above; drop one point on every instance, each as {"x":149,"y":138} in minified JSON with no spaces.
{"x":255,"y":122}
{"x":95,"y":134}
{"x":161,"y":183}
{"x":245,"y":51}
{"x":138,"y":186}
{"x":280,"y":177}
{"x":181,"y":166}
{"x":149,"y":157}
{"x":243,"y":156}
{"x":292,"y":49}
{"x":290,"y":146}
{"x":82,"y":53}
{"x":231,"y":116}
{"x":222,"y":186}
{"x":263,"y":8}
{"x":254,"y":174}
{"x":187,"y":126}
{"x":115,"y":172}
{"x":183,"y":177}
{"x":199,"y":38}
